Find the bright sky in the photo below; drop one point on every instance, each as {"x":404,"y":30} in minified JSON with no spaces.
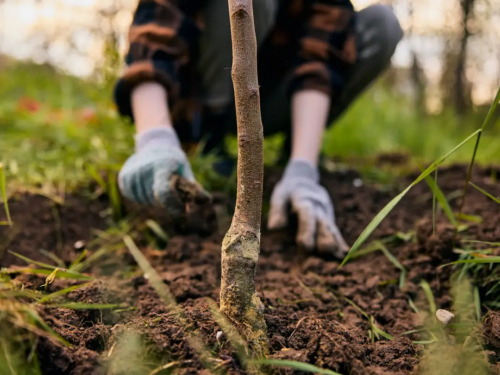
{"x":72,"y":24}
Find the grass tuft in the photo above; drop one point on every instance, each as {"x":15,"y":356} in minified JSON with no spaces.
{"x":439,"y":196}
{"x":375,"y":332}
{"x":388,"y":208}
{"x":430,"y":297}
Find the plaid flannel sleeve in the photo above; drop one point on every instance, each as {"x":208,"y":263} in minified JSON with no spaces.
{"x":327,"y":47}
{"x":162,"y":39}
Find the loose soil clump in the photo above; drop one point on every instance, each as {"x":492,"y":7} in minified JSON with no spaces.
{"x":312,"y":308}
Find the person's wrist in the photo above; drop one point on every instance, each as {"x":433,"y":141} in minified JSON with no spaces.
{"x":300,"y":168}
{"x":160,"y":137}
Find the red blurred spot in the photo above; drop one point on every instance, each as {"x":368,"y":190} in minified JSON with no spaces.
{"x":28,"y":104}
{"x":88,"y":115}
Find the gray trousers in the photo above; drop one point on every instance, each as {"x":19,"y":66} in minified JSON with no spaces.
{"x":377,"y":35}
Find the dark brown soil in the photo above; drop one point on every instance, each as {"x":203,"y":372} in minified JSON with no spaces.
{"x":308,"y":315}
{"x":42,"y":224}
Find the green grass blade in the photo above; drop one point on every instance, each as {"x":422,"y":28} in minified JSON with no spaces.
{"x":491,"y":110}
{"x":97,"y":177}
{"x":484,"y":192}
{"x":84,"y":264}
{"x":54,"y":258}
{"x":368,"y":249}
{"x":357,"y":308}
{"x":157,"y":229}
{"x":412,"y":305}
{"x":63,"y":292}
{"x":169,"y":300}
{"x":10,"y":360}
{"x":388,"y":208}
{"x":485,"y":260}
{"x":434,"y":165}
{"x":396,"y":263}
{"x":425,"y":342}
{"x":476,"y":147}
{"x":299,"y":366}
{"x":25,"y":293}
{"x":379,"y":332}
{"x":3,"y":191}
{"x":38,"y":320}
{"x":87,"y":306}
{"x":114,"y":196}
{"x":441,"y":199}
{"x":434,"y":208}
{"x":151,"y":275}
{"x":477,"y":303}
{"x":495,"y":305}
{"x":482,"y":242}
{"x":379,"y":245}
{"x":162,"y":368}
{"x":493,"y":289}
{"x":430,"y":297}
{"x":31,"y":261}
{"x":376,"y":330}
{"x":60,"y":274}
{"x":470,"y":218}
{"x":374,"y":224}
{"x":413,"y":331}
{"x":231,"y":333}
{"x":78,"y":260}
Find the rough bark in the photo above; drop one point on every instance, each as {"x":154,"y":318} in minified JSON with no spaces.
{"x":241,"y":246}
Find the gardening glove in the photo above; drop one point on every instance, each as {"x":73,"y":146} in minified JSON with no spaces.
{"x":149,"y":176}
{"x":299,"y":187}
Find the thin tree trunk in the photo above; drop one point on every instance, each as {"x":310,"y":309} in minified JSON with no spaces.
{"x":417,"y":74}
{"x":462,"y":92}
{"x":241,"y":246}
{"x":417,"y":77}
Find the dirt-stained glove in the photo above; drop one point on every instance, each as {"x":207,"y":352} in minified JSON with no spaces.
{"x":147,"y":176}
{"x":300,"y":188}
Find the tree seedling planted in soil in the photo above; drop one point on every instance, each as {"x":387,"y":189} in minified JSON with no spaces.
{"x":241,"y":245}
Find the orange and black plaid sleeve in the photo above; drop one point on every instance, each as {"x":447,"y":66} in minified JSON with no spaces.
{"x":326,"y":46}
{"x":163,"y":39}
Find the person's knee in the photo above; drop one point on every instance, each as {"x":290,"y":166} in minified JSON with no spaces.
{"x":389,"y":31}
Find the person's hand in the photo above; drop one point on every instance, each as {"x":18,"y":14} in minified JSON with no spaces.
{"x":300,"y":189}
{"x":148,"y":176}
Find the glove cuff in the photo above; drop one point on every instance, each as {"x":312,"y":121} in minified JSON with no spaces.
{"x":302,"y":169}
{"x":157,"y":137}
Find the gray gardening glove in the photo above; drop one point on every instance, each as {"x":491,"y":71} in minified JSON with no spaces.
{"x":299,"y":187}
{"x":147,"y":177}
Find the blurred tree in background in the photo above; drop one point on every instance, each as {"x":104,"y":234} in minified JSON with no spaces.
{"x":450,"y":57}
